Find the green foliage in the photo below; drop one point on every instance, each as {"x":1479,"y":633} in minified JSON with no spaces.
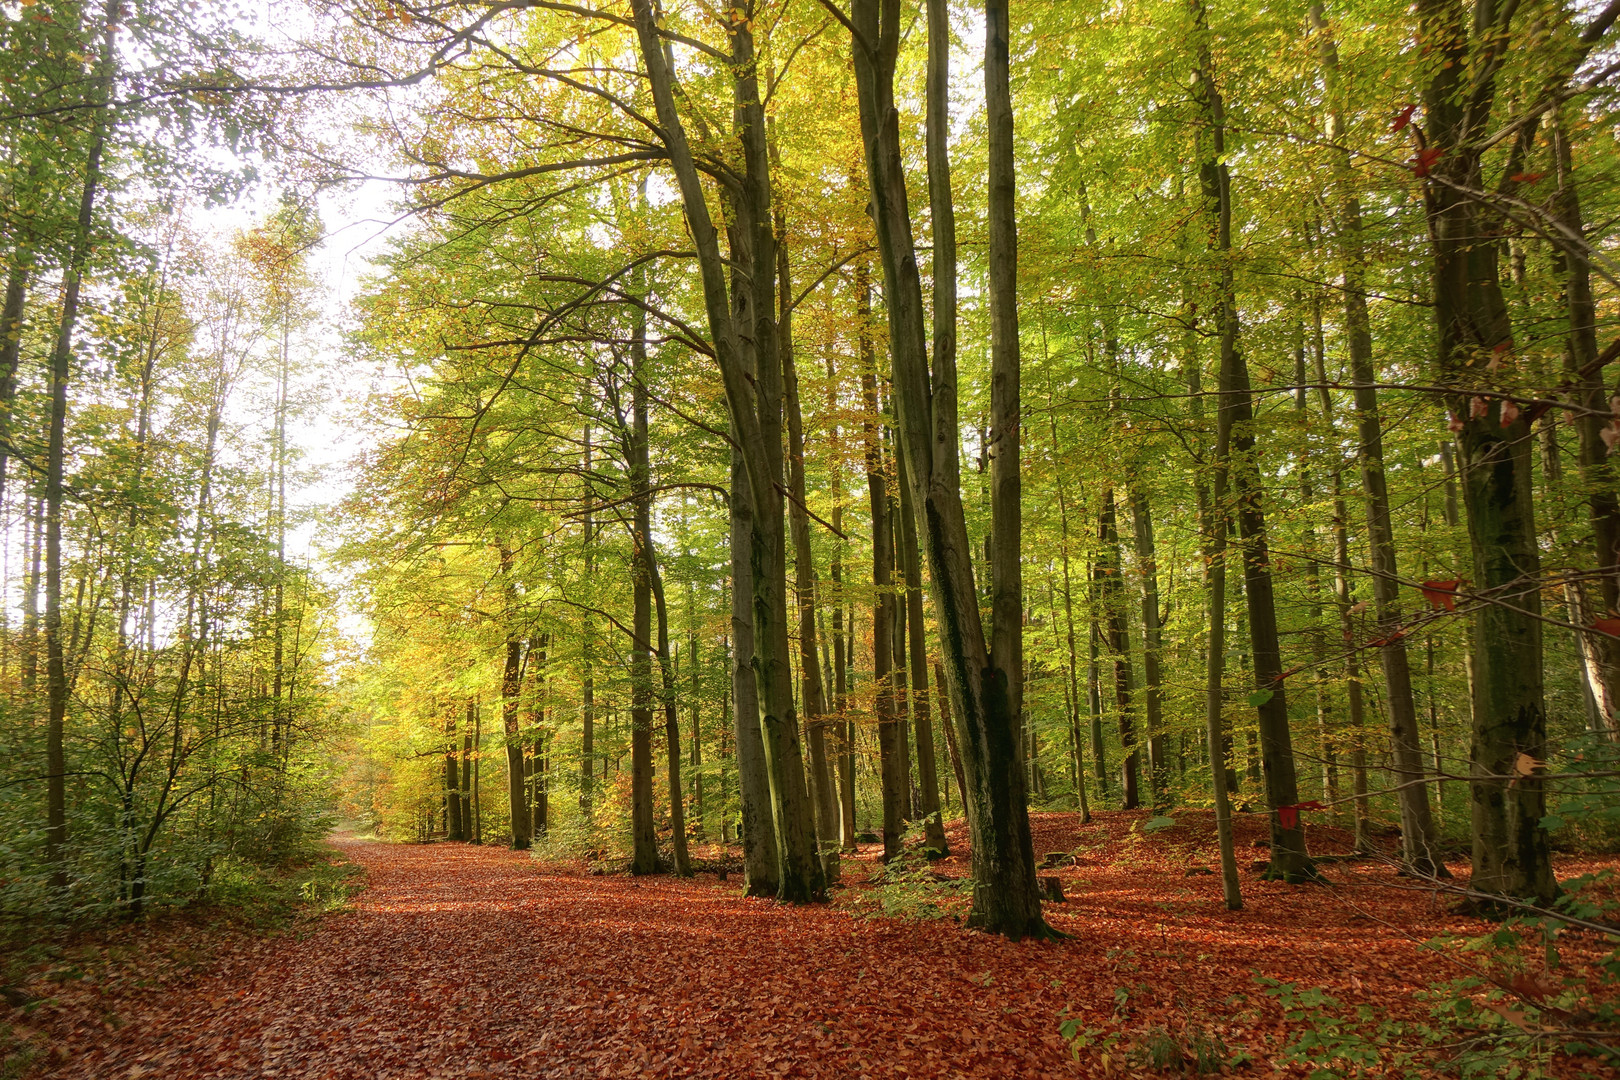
{"x":909,"y":887}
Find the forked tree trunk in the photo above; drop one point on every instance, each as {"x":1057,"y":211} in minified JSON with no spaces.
{"x":1005,"y":895}
{"x":750,"y":369}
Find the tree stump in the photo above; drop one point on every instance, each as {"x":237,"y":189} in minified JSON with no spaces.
{"x":1052,"y":889}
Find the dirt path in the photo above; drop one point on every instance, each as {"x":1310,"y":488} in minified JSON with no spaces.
{"x":460,"y":961}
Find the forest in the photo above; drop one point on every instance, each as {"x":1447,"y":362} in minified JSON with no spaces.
{"x":1088,"y":530}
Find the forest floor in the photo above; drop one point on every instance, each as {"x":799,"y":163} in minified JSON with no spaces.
{"x":464,"y":961}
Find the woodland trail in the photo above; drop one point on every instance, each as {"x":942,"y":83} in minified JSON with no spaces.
{"x":461,"y":961}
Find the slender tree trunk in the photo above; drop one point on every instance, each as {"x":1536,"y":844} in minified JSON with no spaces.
{"x":1147,"y":562}
{"x":644,"y":839}
{"x":1108,"y":575}
{"x":921,"y":712}
{"x":1005,"y":898}
{"x":811,"y":688}
{"x":1417,"y":825}
{"x":753,"y":788}
{"x":1512,"y":856}
{"x":468,"y":795}
{"x":454,"y":829}
{"x":894,"y":776}
{"x":672,"y":721}
{"x":60,"y":370}
{"x":538,"y":647}
{"x":587,"y":739}
{"x":1313,"y":573}
{"x":1601,"y":653}
{"x":846,"y":731}
{"x":1288,"y":859}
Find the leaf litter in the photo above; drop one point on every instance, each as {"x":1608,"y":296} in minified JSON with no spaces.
{"x":477,"y":962}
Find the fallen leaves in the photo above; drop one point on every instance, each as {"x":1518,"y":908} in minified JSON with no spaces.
{"x":482,"y":963}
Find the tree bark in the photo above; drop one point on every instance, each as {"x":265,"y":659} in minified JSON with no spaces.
{"x":1288,"y":859}
{"x":1147,"y":561}
{"x":1511,"y":854}
{"x":1108,"y":576}
{"x":893,"y":774}
{"x":1418,"y":840}
{"x":511,"y":686}
{"x":754,"y":401}
{"x":60,"y":370}
{"x":810,"y":686}
{"x":643,"y":837}
{"x":922,"y":719}
{"x":753,"y":788}
{"x":1005,"y":898}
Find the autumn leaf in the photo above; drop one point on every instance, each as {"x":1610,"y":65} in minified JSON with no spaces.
{"x":1402,"y":118}
{"x":1526,"y":177}
{"x":1510,"y":412}
{"x":1425,"y":159}
{"x":1525,"y":765}
{"x":1442,"y":594}
{"x":1609,"y":624}
{"x":1478,"y":408}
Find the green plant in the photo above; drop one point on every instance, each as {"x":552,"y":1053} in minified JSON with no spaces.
{"x":910,"y":888}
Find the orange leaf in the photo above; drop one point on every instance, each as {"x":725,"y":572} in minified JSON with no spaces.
{"x":1442,"y":594}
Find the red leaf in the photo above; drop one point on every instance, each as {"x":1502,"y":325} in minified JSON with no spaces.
{"x":1510,"y":412}
{"x":1454,"y":424}
{"x":1526,"y":177}
{"x":1608,"y":625}
{"x":1425,"y":159}
{"x":1403,"y":118}
{"x":1288,"y":817}
{"x":1442,"y":594}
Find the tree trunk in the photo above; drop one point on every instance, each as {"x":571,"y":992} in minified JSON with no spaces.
{"x":1108,"y":575}
{"x":469,"y":831}
{"x":753,"y":788}
{"x":453,"y":828}
{"x":541,"y":777}
{"x":1288,"y":859}
{"x":672,"y":721}
{"x":1601,"y":653}
{"x":1417,"y":825}
{"x":587,"y":738}
{"x":1005,"y":897}
{"x":60,"y":369}
{"x":921,"y":714}
{"x":893,"y":775}
{"x":516,"y":790}
{"x":1147,"y":562}
{"x":811,"y":689}
{"x":754,"y":401}
{"x":643,"y":837}
{"x":1511,"y":853}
